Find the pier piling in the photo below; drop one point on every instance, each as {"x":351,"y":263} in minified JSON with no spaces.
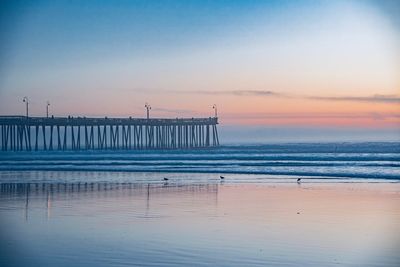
{"x":67,"y":133}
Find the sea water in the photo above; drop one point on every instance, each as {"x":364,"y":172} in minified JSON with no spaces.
{"x":322,"y":160}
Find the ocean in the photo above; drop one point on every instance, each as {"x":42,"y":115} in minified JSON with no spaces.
{"x":339,"y":161}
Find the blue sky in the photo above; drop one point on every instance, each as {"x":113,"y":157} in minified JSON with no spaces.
{"x":272,"y":62}
{"x":67,"y":32}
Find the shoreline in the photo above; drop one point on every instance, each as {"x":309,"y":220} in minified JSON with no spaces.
{"x":181,"y":178}
{"x":223,"y":224}
{"x":242,"y":220}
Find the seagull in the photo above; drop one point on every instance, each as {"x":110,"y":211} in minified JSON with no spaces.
{"x":298,"y":180}
{"x":221,"y":177}
{"x":166,"y":179}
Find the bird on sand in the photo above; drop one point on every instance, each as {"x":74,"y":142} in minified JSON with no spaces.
{"x":166,"y":179}
{"x":298,"y":180}
{"x":221,"y":177}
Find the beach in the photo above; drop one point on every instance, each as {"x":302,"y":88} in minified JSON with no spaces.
{"x":219,"y":223}
{"x":171,"y":207}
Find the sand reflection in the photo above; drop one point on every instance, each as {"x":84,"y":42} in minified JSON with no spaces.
{"x":224,"y":224}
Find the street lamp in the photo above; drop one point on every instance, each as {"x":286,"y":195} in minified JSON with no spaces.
{"x":47,"y":109}
{"x":148,"y":107}
{"x":215,"y":110}
{"x":26,"y":101}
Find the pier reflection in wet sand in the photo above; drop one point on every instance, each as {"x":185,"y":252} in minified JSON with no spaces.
{"x":108,"y":224}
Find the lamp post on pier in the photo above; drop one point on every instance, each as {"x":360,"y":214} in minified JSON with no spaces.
{"x":26,"y":101}
{"x":148,"y":107}
{"x":47,"y":109}
{"x":215,"y":110}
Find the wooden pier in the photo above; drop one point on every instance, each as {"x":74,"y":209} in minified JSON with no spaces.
{"x":20,"y":133}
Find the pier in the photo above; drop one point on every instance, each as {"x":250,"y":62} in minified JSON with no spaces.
{"x":22,"y":133}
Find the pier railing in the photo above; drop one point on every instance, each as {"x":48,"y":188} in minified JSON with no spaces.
{"x":20,"y":133}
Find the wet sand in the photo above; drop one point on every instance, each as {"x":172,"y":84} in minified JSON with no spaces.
{"x":219,"y":224}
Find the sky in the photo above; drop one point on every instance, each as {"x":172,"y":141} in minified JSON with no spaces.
{"x":263,"y":63}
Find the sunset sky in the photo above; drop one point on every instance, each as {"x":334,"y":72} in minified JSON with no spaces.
{"x":286,"y":63}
